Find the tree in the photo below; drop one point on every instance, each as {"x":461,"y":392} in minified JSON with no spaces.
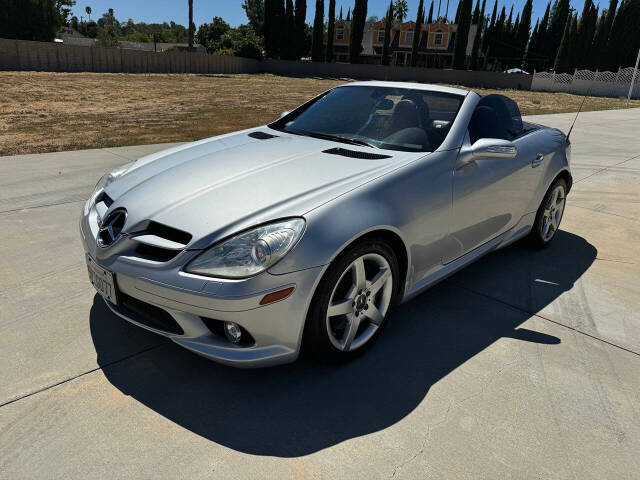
{"x":400,"y":8}
{"x":430,"y":17}
{"x":586,"y":32}
{"x":490,"y":29}
{"x":562,"y":58}
{"x":357,"y":30}
{"x":330,"y":30}
{"x":255,"y":12}
{"x":388,"y":22}
{"x":476,"y":39}
{"x":300,"y":19}
{"x":522,"y":33}
{"x":29,"y":20}
{"x":557,"y":24}
{"x":417,"y":30}
{"x":88,"y":10}
{"x":624,"y":41}
{"x":340,"y":13}
{"x":278,"y":33}
{"x":64,"y":10}
{"x":317,"y":47}
{"x":108,"y":37}
{"x":243,"y":41}
{"x":191,"y":26}
{"x":288,"y":45}
{"x":603,"y":30}
{"x":210,"y":34}
{"x":462,"y":34}
{"x":349,"y":15}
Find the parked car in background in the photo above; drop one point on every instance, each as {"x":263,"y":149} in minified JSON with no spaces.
{"x":303,"y":234}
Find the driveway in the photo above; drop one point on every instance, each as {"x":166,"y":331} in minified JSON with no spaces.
{"x":524,"y":365}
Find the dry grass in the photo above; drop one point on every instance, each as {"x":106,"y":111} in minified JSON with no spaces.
{"x":43,"y":112}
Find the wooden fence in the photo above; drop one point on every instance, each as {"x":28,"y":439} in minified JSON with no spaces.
{"x":55,"y":57}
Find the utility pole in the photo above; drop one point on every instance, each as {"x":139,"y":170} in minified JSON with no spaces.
{"x":633,"y":78}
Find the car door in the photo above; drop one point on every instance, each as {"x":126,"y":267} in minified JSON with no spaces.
{"x":490,"y":190}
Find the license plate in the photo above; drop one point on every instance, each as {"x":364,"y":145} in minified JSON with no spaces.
{"x":102,"y":280}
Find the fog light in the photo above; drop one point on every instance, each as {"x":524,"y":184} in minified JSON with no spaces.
{"x":232,"y":332}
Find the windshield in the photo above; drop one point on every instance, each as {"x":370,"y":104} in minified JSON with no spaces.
{"x":380,"y":117}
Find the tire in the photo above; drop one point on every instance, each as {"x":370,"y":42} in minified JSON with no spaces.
{"x":544,"y":229}
{"x":341,"y":337}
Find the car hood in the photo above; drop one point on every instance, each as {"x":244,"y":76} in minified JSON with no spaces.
{"x":219,"y":186}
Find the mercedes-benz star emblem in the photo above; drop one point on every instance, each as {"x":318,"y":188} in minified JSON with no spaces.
{"x":111,"y":227}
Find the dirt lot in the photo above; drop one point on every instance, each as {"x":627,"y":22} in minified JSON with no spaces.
{"x":43,"y":112}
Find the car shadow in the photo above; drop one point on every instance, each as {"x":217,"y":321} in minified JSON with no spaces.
{"x":297,"y":409}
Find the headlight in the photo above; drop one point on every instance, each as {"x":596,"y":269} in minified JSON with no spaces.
{"x":248,"y":253}
{"x":106,"y":179}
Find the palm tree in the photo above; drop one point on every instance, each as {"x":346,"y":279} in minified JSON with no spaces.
{"x":88,"y":10}
{"x":401,"y":8}
{"x":191,"y":25}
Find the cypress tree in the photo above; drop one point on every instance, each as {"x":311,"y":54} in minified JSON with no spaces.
{"x":349,"y":15}
{"x":490,"y":28}
{"x":330,"y":30}
{"x":557,"y":24}
{"x":301,"y":14}
{"x":603,"y":30}
{"x":541,"y":44}
{"x":341,"y":12}
{"x":267,"y":28}
{"x":357,"y":30}
{"x":476,"y":13}
{"x":462,"y":34}
{"x":624,"y":41}
{"x":288,"y":47}
{"x":278,"y":33}
{"x":561,"y":63}
{"x":476,"y":39}
{"x":317,"y":45}
{"x":522,"y":33}
{"x":388,"y":22}
{"x":586,"y":32}
{"x":430,"y":18}
{"x":417,"y":30}
{"x":457,"y":19}
{"x":498,"y":36}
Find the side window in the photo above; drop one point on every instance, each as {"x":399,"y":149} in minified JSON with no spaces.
{"x":496,"y":116}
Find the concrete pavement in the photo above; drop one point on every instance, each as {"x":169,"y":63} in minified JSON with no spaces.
{"x":524,"y":365}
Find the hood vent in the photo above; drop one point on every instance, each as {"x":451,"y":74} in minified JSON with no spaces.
{"x":356,"y":154}
{"x":262,"y":135}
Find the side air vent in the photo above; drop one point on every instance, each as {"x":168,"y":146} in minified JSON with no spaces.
{"x":262,"y":135}
{"x":159,"y":242}
{"x":356,"y":154}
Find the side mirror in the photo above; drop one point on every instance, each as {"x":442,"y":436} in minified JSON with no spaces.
{"x":284,"y":114}
{"x":493,"y":148}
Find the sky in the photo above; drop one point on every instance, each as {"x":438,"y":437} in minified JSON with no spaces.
{"x":158,"y":11}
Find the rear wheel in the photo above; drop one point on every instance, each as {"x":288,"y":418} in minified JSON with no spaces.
{"x":549,"y":215}
{"x":352,"y":302}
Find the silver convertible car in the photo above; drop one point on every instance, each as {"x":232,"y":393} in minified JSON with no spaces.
{"x":252,"y":247}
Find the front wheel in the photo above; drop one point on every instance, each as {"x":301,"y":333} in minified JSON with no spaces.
{"x":549,"y":215}
{"x":352,"y":302}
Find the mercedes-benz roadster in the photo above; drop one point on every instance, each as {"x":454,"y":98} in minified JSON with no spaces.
{"x":302,"y":235}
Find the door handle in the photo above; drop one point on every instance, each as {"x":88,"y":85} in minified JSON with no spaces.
{"x":538,"y":160}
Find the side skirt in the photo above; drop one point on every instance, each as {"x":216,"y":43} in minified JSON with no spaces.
{"x":518,"y":231}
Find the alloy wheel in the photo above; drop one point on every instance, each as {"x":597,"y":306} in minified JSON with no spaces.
{"x":359,"y":302}
{"x":553,"y":213}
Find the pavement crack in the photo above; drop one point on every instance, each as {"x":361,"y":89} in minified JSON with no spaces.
{"x":536,"y":314}
{"x":66,"y":380}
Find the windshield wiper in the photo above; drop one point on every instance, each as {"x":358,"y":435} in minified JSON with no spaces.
{"x":337,"y":138}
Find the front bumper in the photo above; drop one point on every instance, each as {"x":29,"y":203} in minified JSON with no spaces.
{"x":190,"y":300}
